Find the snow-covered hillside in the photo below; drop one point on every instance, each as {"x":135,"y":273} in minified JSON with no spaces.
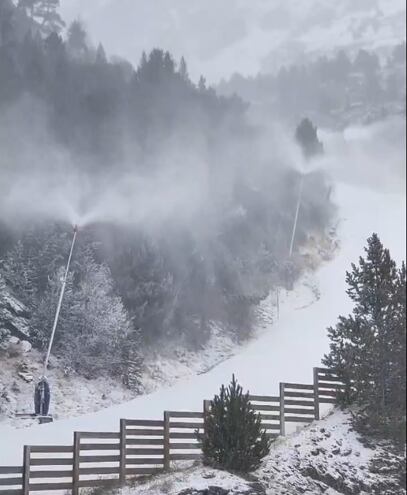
{"x":288,"y":349}
{"x":326,"y":457}
{"x":237,"y":35}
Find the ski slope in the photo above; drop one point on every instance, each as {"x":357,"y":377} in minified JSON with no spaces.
{"x":287,"y":351}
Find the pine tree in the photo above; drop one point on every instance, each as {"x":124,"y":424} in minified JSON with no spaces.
{"x":46,"y":13}
{"x":368,"y":347}
{"x":183,"y":70}
{"x":28,"y":6}
{"x":233,"y":438}
{"x":4,"y":333}
{"x":77,"y":39}
{"x":20,"y":273}
{"x":307,"y":137}
{"x":202,"y":84}
{"x":100,"y":58}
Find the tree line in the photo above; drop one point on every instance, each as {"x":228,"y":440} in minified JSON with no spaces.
{"x":132,"y":287}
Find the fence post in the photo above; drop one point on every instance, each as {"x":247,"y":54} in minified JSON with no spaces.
{"x":26,"y":470}
{"x":316,"y":393}
{"x":282,"y":409}
{"x":122,"y":474}
{"x":206,"y":409}
{"x":166,"y":440}
{"x":76,"y":462}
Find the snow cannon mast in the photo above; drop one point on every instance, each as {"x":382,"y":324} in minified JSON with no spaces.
{"x":61,"y":296}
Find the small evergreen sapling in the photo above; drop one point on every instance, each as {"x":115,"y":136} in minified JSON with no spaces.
{"x":233,"y":438}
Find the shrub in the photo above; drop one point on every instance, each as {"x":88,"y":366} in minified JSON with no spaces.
{"x":233,"y":439}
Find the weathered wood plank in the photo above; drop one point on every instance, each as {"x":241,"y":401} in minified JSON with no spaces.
{"x":185,"y":446}
{"x":11,"y":481}
{"x":265,"y":407}
{"x":270,"y":417}
{"x":100,"y":446}
{"x":145,"y":461}
{"x":102,"y":435}
{"x":51,"y":449}
{"x":99,"y":470}
{"x":144,"y":422}
{"x":298,"y":386}
{"x":145,"y":432}
{"x":26,"y":469}
{"x":145,"y":441}
{"x":264,"y":398}
{"x":297,"y":419}
{"x":45,"y":487}
{"x":185,"y":414}
{"x":76,"y":462}
{"x":51,"y":474}
{"x":182,"y":435}
{"x":12,"y":492}
{"x":99,"y":458}
{"x":145,"y":451}
{"x":329,"y":393}
{"x":45,"y":461}
{"x":185,"y":457}
{"x":166,"y":449}
{"x":123,"y":444}
{"x":309,"y":412}
{"x":328,"y":378}
{"x":144,"y":471}
{"x":292,"y":402}
{"x":182,"y":425}
{"x":11,"y":470}
{"x":303,"y":395}
{"x":334,"y":386}
{"x":324,"y":400}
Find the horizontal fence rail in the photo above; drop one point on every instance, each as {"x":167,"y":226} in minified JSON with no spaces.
{"x":145,"y":447}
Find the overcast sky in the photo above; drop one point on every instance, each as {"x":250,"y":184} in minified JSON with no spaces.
{"x":219,"y":37}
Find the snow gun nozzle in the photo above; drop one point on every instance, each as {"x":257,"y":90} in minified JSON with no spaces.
{"x":75,"y":228}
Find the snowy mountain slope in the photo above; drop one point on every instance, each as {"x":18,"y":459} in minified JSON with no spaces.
{"x":326,"y":457}
{"x":219,"y":38}
{"x":290,"y":347}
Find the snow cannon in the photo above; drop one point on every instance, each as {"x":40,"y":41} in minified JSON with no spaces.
{"x":42,"y":392}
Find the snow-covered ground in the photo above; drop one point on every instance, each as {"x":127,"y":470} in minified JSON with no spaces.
{"x":326,"y":457}
{"x":287,"y":349}
{"x":287,"y":352}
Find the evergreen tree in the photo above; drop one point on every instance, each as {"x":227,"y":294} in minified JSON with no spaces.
{"x":77,"y":39}
{"x":183,"y":70}
{"x":100,"y":58}
{"x":368,"y":347}
{"x":307,"y":137}
{"x":4,"y":333}
{"x":202,"y":84}
{"x":46,"y":13}
{"x":233,"y":437}
{"x":19,"y":271}
{"x":28,"y":6}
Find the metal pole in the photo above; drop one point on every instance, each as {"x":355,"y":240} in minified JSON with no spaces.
{"x":297,"y":211}
{"x":61,"y":296}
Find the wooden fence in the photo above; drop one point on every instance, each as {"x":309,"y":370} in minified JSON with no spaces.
{"x":146,"y":447}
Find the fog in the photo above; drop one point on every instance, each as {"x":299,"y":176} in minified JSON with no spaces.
{"x":221,"y":38}
{"x":187,"y":198}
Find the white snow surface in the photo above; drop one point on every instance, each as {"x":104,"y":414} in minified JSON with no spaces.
{"x":289,"y":348}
